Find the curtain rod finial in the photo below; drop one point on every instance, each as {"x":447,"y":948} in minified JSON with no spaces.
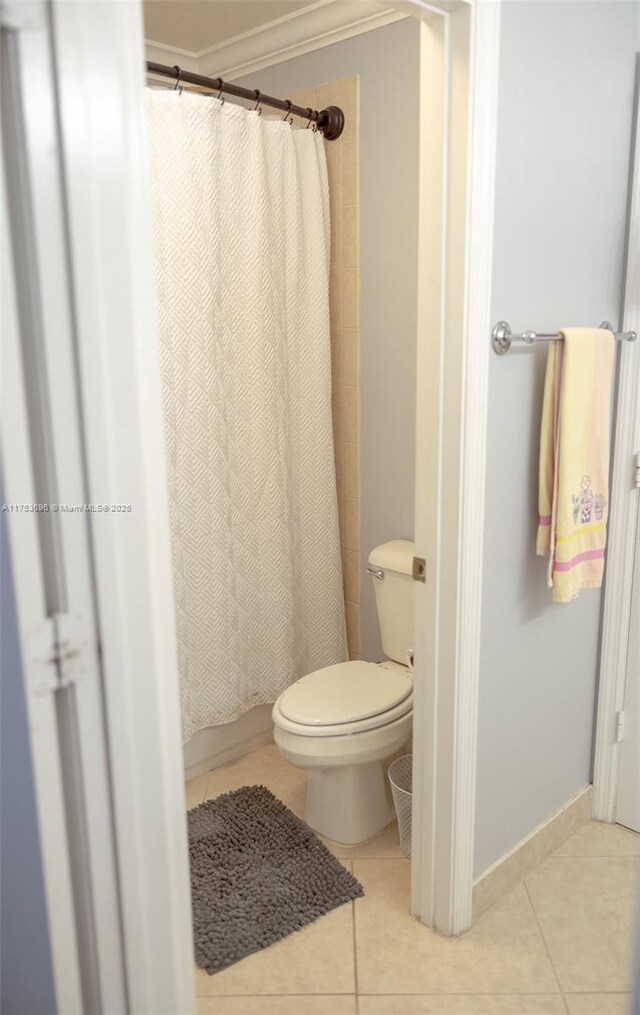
{"x":331,"y":122}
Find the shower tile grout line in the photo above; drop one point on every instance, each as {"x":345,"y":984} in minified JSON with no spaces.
{"x":355,"y":952}
{"x":546,"y":946}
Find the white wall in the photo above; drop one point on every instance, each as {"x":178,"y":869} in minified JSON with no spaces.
{"x":387,"y":61}
{"x":566,"y":87}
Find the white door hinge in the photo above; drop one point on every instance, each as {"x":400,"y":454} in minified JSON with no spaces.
{"x":637,"y":472}
{"x":55,"y":653}
{"x":620,"y":727}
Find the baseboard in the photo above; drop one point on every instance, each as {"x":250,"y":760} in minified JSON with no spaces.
{"x":530,"y":852}
{"x":216,"y":745}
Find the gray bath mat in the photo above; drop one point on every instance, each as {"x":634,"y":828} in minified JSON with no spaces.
{"x":257,"y":874}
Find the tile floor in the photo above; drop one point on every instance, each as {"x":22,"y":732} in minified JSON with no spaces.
{"x":559,"y":942}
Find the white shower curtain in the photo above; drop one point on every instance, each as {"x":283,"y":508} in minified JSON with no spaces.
{"x":241,"y":223}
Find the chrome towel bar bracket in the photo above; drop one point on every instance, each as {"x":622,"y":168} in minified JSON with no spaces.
{"x":502,"y":336}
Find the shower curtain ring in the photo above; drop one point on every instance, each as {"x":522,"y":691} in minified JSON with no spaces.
{"x":177,"y":85}
{"x":258,"y":95}
{"x":287,"y":116}
{"x":310,"y":120}
{"x":220,"y":96}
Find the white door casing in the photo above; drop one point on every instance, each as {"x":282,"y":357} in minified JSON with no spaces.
{"x":459,"y":61}
{"x":83,"y":416}
{"x":54,"y":555}
{"x":617,"y":618}
{"x":628,"y":788}
{"x":103,"y":128}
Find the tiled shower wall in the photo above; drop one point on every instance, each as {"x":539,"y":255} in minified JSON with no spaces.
{"x":342,"y":162}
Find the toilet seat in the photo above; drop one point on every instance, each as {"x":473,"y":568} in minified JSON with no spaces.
{"x":345,"y":699}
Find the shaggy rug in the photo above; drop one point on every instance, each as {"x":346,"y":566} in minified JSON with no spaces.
{"x":257,"y":874}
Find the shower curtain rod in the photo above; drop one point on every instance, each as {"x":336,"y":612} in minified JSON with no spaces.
{"x":329,"y":121}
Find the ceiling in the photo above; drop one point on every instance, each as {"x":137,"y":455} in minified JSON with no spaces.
{"x":196,"y":25}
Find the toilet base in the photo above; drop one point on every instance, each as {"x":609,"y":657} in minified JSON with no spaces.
{"x":349,"y":804}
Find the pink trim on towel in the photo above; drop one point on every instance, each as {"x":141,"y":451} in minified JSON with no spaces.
{"x":566,"y":565}
{"x":544,"y":519}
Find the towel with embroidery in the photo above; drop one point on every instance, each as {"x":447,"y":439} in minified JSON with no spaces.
{"x":574,"y":460}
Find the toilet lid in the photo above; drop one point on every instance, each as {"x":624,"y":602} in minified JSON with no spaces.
{"x":345,"y":693}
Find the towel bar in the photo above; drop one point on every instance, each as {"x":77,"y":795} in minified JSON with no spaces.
{"x":502,"y":336}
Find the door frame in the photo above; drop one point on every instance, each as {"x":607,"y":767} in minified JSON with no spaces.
{"x":623,"y":515}
{"x":456,"y":202}
{"x":94,"y":299}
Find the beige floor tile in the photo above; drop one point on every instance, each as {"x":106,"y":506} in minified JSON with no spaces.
{"x":296,"y":1004}
{"x":585,"y":906}
{"x":265,"y":767}
{"x":600,"y":839}
{"x":315,"y":960}
{"x":386,"y":845}
{"x":462,"y":1004}
{"x":503,"y":952}
{"x":195,"y":790}
{"x":598,"y":1004}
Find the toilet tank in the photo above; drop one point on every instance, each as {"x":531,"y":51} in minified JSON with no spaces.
{"x":390,"y":566}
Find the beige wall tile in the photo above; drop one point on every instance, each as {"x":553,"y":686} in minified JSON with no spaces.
{"x":349,"y":237}
{"x":353,"y":629}
{"x":337,"y":364}
{"x":342,"y":167}
{"x":337,"y":255}
{"x":351,"y":463}
{"x":578,"y":812}
{"x":335,"y":303}
{"x":351,"y":357}
{"x":351,"y":567}
{"x":334,"y":159}
{"x":340,"y":492}
{"x":351,"y":409}
{"x":305,"y":98}
{"x":338,"y":415}
{"x":336,"y":202}
{"x":351,"y":535}
{"x":350,"y":298}
{"x":342,"y":92}
{"x":350,"y":173}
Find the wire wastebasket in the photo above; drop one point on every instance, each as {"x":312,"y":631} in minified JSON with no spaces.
{"x":401,"y":786}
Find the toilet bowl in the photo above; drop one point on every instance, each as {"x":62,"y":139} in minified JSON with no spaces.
{"x":343,"y":722}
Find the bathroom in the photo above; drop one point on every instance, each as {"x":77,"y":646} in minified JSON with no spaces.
{"x":374,"y":76}
{"x":319,"y":577}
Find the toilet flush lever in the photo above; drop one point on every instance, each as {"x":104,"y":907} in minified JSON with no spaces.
{"x":376,"y":572}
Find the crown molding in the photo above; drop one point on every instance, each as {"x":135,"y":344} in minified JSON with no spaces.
{"x":157,"y":52}
{"x":315,"y":26}
{"x":310,"y":29}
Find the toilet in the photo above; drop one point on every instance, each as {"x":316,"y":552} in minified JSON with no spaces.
{"x":342,"y":723}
